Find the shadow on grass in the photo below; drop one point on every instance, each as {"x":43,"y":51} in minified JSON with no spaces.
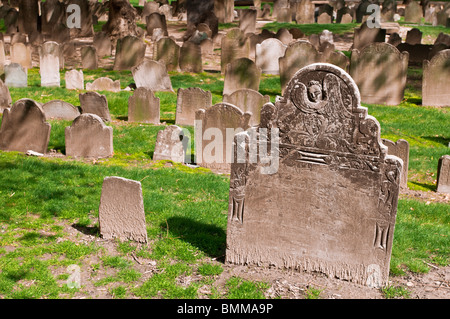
{"x":208,"y":238}
{"x":437,"y":139}
{"x":87,"y":230}
{"x":425,"y":186}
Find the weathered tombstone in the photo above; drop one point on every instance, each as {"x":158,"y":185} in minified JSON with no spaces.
{"x":103,"y":84}
{"x":130,"y":51}
{"x":121,"y":212}
{"x":221,"y":120}
{"x":395,"y":39}
{"x":326,"y":202}
{"x":413,"y":12}
{"x":346,"y":18}
{"x":61,"y":110}
{"x":388,"y":10}
{"x":5,"y":97}
{"x":234,"y":45}
{"x":324,"y":18}
{"x":49,"y":57}
{"x":265,"y":13}
{"x":364,"y":35}
{"x":436,"y":80}
{"x":16,"y":75}
{"x":284,"y":15}
{"x":248,"y":100}
{"x":298,"y":54}
{"x":400,"y":148}
{"x":188,"y":102}
{"x":443,"y":175}
{"x":24,"y":128}
{"x":278,"y":4}
{"x":156,"y":20}
{"x":102,"y":44}
{"x":22,"y":54}
{"x":241,"y":73}
{"x":305,"y":12}
{"x":284,"y":36}
{"x":2,"y":57}
{"x":267,"y":54}
{"x":144,"y":107}
{"x":149,"y":8}
{"x":88,"y":136}
{"x":152,"y":75}
{"x":74,"y":80}
{"x":95,"y":103}
{"x":414,"y":36}
{"x":167,"y":51}
{"x":224,"y":10}
{"x":339,"y":59}
{"x":89,"y":58}
{"x":170,"y":145}
{"x":380,"y":70}
{"x":247,"y":20}
{"x":190,"y":59}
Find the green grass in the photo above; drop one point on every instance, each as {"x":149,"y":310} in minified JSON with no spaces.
{"x":313,"y":28}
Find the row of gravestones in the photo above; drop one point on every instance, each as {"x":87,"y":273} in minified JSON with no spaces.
{"x":345,"y":232}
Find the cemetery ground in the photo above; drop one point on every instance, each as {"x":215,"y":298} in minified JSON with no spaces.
{"x":49,"y":212}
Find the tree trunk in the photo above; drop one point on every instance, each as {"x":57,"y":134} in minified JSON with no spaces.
{"x":122,"y":20}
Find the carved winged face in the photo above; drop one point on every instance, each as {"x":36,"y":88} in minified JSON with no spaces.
{"x":315,"y":92}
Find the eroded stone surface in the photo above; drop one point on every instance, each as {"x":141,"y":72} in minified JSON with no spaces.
{"x":443,"y":179}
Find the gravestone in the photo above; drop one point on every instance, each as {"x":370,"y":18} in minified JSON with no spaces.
{"x":103,"y":84}
{"x":248,"y":100}
{"x":241,"y":73}
{"x":267,"y":54}
{"x":324,"y":18}
{"x":214,"y":130}
{"x":339,"y":59}
{"x":102,"y":44}
{"x":95,"y":103}
{"x":170,"y":145}
{"x":74,"y":80}
{"x":167,"y":51}
{"x":89,"y":58}
{"x":284,"y":36}
{"x":121,"y":212}
{"x":364,"y":35}
{"x":188,"y":102}
{"x":247,"y":20}
{"x":414,"y":36}
{"x":130,"y":51}
{"x":149,"y":8}
{"x":156,"y":21}
{"x":89,"y":137}
{"x":284,"y":15}
{"x":298,"y":54}
{"x":436,"y":80}
{"x":346,"y":18}
{"x":327,"y":202}
{"x":5,"y":97}
{"x":2,"y":57}
{"x":49,"y":57}
{"x":190,"y":59}
{"x":60,"y":110}
{"x":380,"y":70}
{"x":234,"y":45}
{"x":305,"y":12}
{"x":22,"y":54}
{"x":24,"y":128}
{"x":16,"y":75}
{"x":144,"y":107}
{"x":443,"y":175}
{"x":224,"y":10}
{"x":413,"y":12}
{"x":152,"y":75}
{"x":400,"y":148}
{"x":395,"y":39}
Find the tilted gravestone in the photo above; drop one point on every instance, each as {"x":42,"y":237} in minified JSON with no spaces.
{"x":324,"y":199}
{"x":121,"y":212}
{"x":58,"y":109}
{"x":152,"y":75}
{"x":74,"y":80}
{"x":240,"y":74}
{"x":443,"y":175}
{"x":436,"y":80}
{"x":89,"y":137}
{"x":190,"y":100}
{"x":103,"y":84}
{"x":170,"y":145}
{"x":49,"y":57}
{"x":130,"y":51}
{"x":297,"y":55}
{"x":24,"y":128}
{"x":95,"y":103}
{"x":379,"y":70}
{"x":248,"y":100}
{"x":400,"y":148}
{"x":16,"y":75}
{"x":167,"y":51}
{"x":267,"y":54}
{"x":215,"y":127}
{"x":143,"y":107}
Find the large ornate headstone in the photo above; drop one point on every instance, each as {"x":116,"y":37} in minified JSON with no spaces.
{"x":379,"y":70}
{"x":330,"y":204}
{"x":24,"y":128}
{"x":436,"y":80}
